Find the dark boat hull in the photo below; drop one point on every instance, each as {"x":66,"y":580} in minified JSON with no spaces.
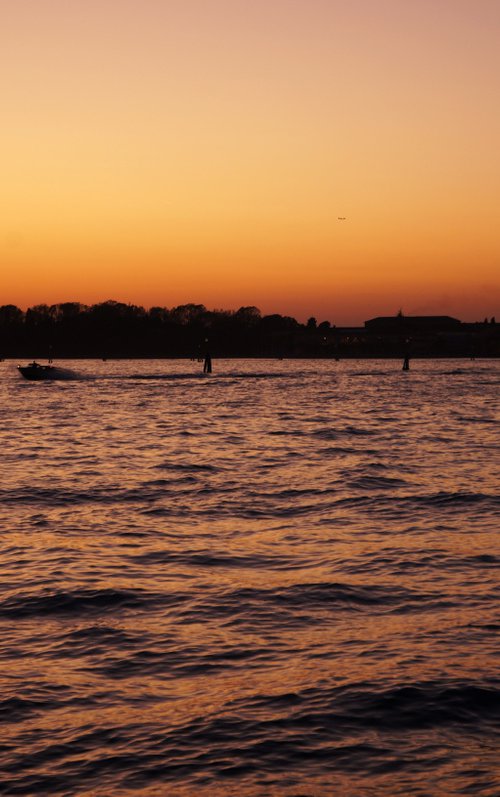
{"x":43,"y":373}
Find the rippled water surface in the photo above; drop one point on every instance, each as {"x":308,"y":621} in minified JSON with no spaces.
{"x":280,"y":579}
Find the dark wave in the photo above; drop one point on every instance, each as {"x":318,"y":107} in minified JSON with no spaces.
{"x":405,"y":707}
{"x":51,"y":497}
{"x":447,"y":501}
{"x":375,"y":483}
{"x":295,"y":605}
{"x":190,"y":467}
{"x":79,"y":601}
{"x":370,"y":727}
{"x":302,"y":604}
{"x":177,"y":661}
{"x":47,"y":697}
{"x":347,"y":431}
{"x":211,"y":559}
{"x":400,"y":562}
{"x":15,"y":709}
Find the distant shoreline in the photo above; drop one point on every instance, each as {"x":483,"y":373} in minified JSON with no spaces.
{"x":113,"y":330}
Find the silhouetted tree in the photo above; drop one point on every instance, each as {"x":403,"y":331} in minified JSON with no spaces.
{"x":248,"y":316}
{"x":10,"y":314}
{"x":11,"y":328}
{"x":188,"y":313}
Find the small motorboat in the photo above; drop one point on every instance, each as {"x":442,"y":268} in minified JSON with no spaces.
{"x":37,"y":372}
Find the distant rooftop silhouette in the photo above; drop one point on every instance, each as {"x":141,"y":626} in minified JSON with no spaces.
{"x":422,"y":322}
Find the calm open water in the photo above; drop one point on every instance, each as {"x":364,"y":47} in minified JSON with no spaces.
{"x":279,"y":585}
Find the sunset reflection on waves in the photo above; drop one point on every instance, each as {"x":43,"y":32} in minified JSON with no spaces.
{"x":277,"y":586}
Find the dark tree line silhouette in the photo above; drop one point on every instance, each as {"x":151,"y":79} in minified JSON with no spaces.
{"x":115,"y":329}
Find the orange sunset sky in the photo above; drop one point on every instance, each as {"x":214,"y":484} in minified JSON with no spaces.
{"x":172,"y":151}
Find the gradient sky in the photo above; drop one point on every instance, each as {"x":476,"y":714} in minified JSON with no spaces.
{"x":170,"y":151}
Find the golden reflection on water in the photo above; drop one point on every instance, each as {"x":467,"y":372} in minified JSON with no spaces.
{"x":268,"y":553}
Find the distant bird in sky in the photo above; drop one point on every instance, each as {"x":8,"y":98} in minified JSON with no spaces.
{"x":341,"y":218}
